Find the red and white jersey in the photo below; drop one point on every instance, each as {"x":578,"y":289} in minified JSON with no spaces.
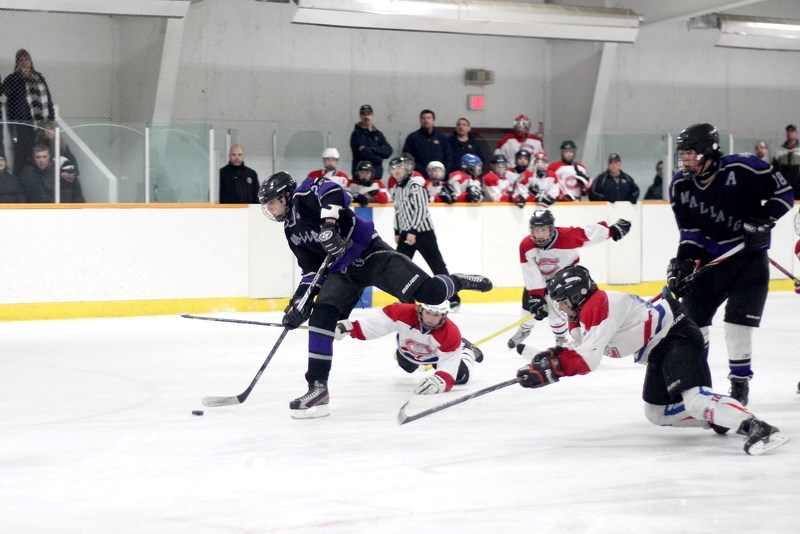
{"x":375,"y":191}
{"x":546,"y":186}
{"x":797,"y":249}
{"x":509,"y":145}
{"x":420,"y":346}
{"x":616,"y":325}
{"x":496,"y":188}
{"x":540,"y":264}
{"x":337,"y":176}
{"x":565,"y":176}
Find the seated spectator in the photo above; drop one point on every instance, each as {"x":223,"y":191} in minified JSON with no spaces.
{"x":37,"y":179}
{"x":46,"y":136}
{"x":656,"y":189}
{"x":238,"y":183}
{"x":762,"y":150}
{"x":366,"y":188}
{"x":614,"y":185}
{"x":520,"y":138}
{"x":463,"y":141}
{"x":329,"y":170}
{"x":11,"y":191}
{"x":572,"y":177}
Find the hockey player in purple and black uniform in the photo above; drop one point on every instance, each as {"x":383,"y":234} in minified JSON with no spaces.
{"x":720,"y":202}
{"x":318,"y":221}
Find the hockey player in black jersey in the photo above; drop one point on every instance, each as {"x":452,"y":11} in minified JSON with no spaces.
{"x":318,"y":222}
{"x":720,"y":202}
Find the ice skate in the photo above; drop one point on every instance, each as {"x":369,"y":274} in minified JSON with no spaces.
{"x":314,"y":403}
{"x":521,"y":334}
{"x":761,"y":437}
{"x":473,"y":282}
{"x":478,"y":353}
{"x":740,"y":388}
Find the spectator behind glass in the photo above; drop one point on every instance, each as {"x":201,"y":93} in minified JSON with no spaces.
{"x":47,"y":136}
{"x":787,"y":159}
{"x":427,"y":144}
{"x":238,"y":183}
{"x":28,"y":102}
{"x":37,"y":179}
{"x":368,"y":143}
{"x":656,"y":189}
{"x":462,"y":141}
{"x":762,"y":150}
{"x":11,"y":191}
{"x":614,"y":185}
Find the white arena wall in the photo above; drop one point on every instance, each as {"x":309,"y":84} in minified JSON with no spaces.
{"x":74,"y":255}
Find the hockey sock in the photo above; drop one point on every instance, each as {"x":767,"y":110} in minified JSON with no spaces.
{"x":672,"y":415}
{"x":320,"y":341}
{"x":721,"y":410}
{"x":740,"y":347}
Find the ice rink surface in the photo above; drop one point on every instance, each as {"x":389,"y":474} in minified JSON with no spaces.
{"x":96,"y":435}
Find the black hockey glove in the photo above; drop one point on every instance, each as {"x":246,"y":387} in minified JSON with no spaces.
{"x":447,"y":194}
{"x":537,"y":306}
{"x":677,"y":271}
{"x":474,"y":194}
{"x":331,"y":241}
{"x":619,"y":229}
{"x":293,"y":314}
{"x":544,"y":369}
{"x":534,"y":190}
{"x":756,"y":233}
{"x":361,"y":200}
{"x":520,"y":201}
{"x":581,"y":177}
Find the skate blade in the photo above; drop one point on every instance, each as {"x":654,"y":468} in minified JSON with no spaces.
{"x":323,"y":410}
{"x":775,"y":441}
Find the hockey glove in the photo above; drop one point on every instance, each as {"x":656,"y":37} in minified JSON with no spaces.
{"x":331,"y":241}
{"x":756,"y":234}
{"x":361,"y":200}
{"x":520,"y":201}
{"x":677,"y":271}
{"x":619,"y":229}
{"x":431,"y":385}
{"x":581,"y":177}
{"x":544,"y":369}
{"x":537,"y":307}
{"x":474,"y":194}
{"x":343,"y":329}
{"x":447,"y":194}
{"x":533,"y":189}
{"x":293,"y":316}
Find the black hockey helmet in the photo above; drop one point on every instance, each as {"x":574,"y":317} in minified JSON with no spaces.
{"x":279,"y":186}
{"x":569,"y":145}
{"x":703,"y":138}
{"x":573,"y":285}
{"x":497,"y":161}
{"x":365,"y":166}
{"x":522,"y":153}
{"x":543,"y":218}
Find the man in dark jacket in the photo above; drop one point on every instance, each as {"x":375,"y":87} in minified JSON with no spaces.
{"x":368,"y":143}
{"x":238,"y":183}
{"x":614,"y":185}
{"x":428,"y":144}
{"x":463,"y":141}
{"x":37,"y":179}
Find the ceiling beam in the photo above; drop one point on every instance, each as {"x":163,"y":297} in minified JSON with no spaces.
{"x":137,"y":8}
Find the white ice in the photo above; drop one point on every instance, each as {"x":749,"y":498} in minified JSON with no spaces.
{"x":96,"y":435}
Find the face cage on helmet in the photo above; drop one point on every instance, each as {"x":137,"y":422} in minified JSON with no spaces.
{"x":284,"y":199}
{"x":567,"y":316}
{"x":442,"y":318}
{"x":678,"y":162}
{"x":797,"y":223}
{"x":544,"y":242}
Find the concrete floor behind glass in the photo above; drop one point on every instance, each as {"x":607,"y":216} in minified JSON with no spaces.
{"x":96,"y":435}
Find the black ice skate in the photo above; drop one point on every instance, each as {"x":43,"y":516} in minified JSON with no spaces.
{"x":761,"y":437}
{"x":314,"y":403}
{"x":473,"y":282}
{"x":478,"y":353}
{"x":740,"y":388}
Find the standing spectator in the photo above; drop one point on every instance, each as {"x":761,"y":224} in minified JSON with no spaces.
{"x":427,"y":144}
{"x":11,"y":191}
{"x":720,"y":202}
{"x":520,"y":138}
{"x":656,"y":189}
{"x":368,"y":143}
{"x":614,"y":185}
{"x":365,"y":188}
{"x":29,"y":103}
{"x":330,"y":169}
{"x":238,"y":183}
{"x":571,"y":176}
{"x":413,"y":227}
{"x":37,"y":179}
{"x":463,"y":141}
{"x":787,"y":159}
{"x":762,"y":150}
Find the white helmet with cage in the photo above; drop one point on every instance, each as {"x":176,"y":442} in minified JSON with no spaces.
{"x":441,"y":310}
{"x":330,"y":153}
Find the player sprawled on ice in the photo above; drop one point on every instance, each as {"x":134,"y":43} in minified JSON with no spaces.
{"x":677,"y":383}
{"x":542,"y":253}
{"x":425,"y":336}
{"x":318,"y":221}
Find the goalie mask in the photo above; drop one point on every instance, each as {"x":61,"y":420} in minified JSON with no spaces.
{"x":433,"y":316}
{"x":436,"y":172}
{"x":365,"y":172}
{"x":472,"y":165}
{"x":543,"y":230}
{"x":522,"y":123}
{"x":569,"y":289}
{"x":275,"y":194}
{"x":697,"y":151}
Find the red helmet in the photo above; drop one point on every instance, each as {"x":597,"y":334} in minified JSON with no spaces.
{"x":522,"y":122}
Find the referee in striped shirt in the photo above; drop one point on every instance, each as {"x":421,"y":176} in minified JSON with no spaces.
{"x":413,"y":228}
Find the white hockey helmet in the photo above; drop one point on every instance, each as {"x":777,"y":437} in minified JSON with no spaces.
{"x":330,"y":153}
{"x":435,"y":170}
{"x":441,"y":309}
{"x":522,"y":122}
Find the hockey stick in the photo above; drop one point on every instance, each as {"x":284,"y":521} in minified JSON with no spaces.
{"x":237,"y":321}
{"x":784,"y":271}
{"x":241,"y":397}
{"x":700,"y":270}
{"x":504,"y":329}
{"x":403,"y":418}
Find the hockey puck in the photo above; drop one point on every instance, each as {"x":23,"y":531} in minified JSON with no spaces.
{"x":197,"y":412}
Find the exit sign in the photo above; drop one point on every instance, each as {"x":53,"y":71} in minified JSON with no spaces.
{"x":475,"y":102}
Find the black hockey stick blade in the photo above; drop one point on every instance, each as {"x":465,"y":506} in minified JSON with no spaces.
{"x":403,"y":418}
{"x":237,"y":321}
